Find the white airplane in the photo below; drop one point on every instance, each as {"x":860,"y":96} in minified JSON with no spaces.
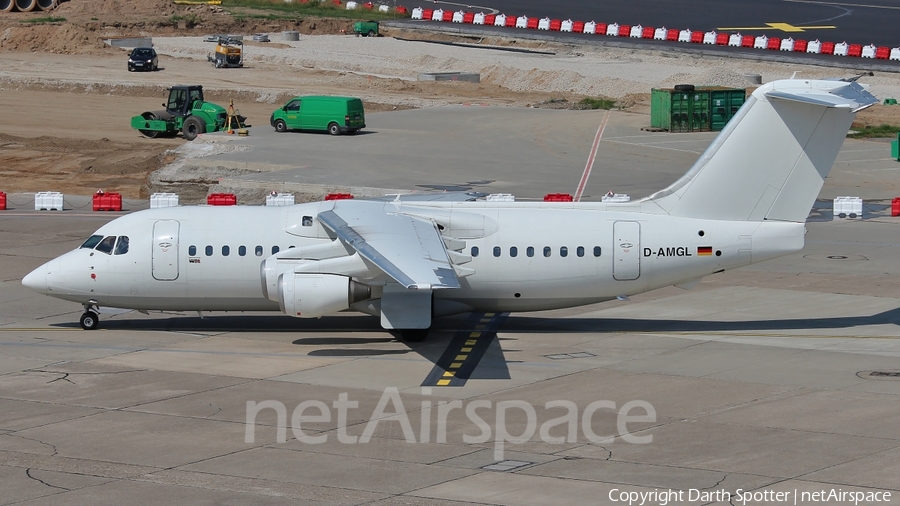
{"x":410,"y":260}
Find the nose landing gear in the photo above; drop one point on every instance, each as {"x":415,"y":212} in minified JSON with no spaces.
{"x":91,"y":317}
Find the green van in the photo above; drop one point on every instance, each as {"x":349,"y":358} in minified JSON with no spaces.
{"x":336,"y":115}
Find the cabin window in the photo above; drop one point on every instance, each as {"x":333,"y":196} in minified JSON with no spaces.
{"x":547,"y":251}
{"x":513,"y":251}
{"x":530,"y":251}
{"x":496,"y":251}
{"x":225,"y":251}
{"x":92,"y":241}
{"x":596,"y":251}
{"x":122,"y":245}
{"x":242,"y":250}
{"x":474,"y":251}
{"x":192,"y":250}
{"x":209,"y":251}
{"x":259,"y":251}
{"x":275,"y":249}
{"x":106,"y":245}
{"x":563,"y":251}
{"x":580,"y":251}
{"x":307,"y":221}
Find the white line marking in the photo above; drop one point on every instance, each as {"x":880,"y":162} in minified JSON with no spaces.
{"x":591,"y":157}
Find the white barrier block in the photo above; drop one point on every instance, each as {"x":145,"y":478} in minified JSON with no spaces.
{"x":869,"y":51}
{"x":383,"y":8}
{"x":163,"y":200}
{"x":761,"y":42}
{"x":417,"y":13}
{"x":814,"y":47}
{"x":458,"y":16}
{"x":660,"y":33}
{"x":895,"y":53}
{"x":636,"y":32}
{"x":351,"y":6}
{"x":566,"y":26}
{"x":848,"y":207}
{"x":709,"y":37}
{"x":787,"y":44}
{"x":684,"y":36}
{"x":522,"y":22}
{"x":616,"y":197}
{"x":590,"y":28}
{"x":734,"y":40}
{"x":479,"y":19}
{"x":48,"y":201}
{"x":841,"y":49}
{"x":500,"y":20}
{"x":501,"y":197}
{"x":613,"y":30}
{"x":437,"y":15}
{"x":544,"y":24}
{"x":280,"y":199}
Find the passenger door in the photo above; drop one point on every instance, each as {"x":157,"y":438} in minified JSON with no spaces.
{"x":165,"y":250}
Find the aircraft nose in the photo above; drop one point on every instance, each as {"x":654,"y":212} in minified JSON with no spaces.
{"x":37,"y":279}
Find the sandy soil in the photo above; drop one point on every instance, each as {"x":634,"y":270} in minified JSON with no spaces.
{"x":67,"y":97}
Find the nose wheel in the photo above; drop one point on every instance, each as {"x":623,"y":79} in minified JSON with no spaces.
{"x":90,"y":319}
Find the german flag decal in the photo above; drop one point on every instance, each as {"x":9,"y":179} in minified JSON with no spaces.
{"x":704,"y":251}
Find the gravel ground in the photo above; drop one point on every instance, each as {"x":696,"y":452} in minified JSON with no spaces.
{"x":610,"y":72}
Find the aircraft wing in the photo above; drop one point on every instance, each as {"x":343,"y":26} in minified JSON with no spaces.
{"x":408,"y":249}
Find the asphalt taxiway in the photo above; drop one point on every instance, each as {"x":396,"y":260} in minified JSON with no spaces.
{"x":777,"y":377}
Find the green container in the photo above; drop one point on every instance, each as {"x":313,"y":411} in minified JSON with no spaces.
{"x":724,"y":104}
{"x":895,"y":148}
{"x":703,"y":109}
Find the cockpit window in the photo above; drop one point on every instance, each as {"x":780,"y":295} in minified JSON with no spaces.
{"x":122,"y":245}
{"x":92,"y":241}
{"x":106,"y":245}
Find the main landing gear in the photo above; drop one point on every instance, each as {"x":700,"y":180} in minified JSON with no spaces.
{"x":91,"y":317}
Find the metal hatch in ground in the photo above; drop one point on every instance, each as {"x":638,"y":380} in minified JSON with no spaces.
{"x":165,"y":250}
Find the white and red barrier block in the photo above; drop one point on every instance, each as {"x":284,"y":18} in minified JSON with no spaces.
{"x":660,"y":33}
{"x":787,"y":44}
{"x":709,"y":37}
{"x":869,"y":51}
{"x":612,"y":30}
{"x":841,"y":48}
{"x":478,"y":19}
{"x":417,"y":13}
{"x":544,"y":24}
{"x":566,"y":26}
{"x":636,"y":32}
{"x":814,"y":47}
{"x":684,"y":35}
{"x":500,"y":20}
{"x":895,"y":54}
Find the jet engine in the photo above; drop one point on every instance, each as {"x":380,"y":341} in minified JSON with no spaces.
{"x":315,"y":295}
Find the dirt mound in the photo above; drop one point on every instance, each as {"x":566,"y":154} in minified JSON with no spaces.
{"x":77,"y":165}
{"x":129,"y":9}
{"x":65,"y":38}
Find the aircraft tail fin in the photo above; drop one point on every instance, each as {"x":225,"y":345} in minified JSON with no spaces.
{"x":771,"y":160}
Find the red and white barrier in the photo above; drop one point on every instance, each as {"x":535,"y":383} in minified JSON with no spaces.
{"x":645,"y":32}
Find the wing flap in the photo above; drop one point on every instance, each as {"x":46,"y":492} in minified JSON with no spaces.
{"x":408,"y":249}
